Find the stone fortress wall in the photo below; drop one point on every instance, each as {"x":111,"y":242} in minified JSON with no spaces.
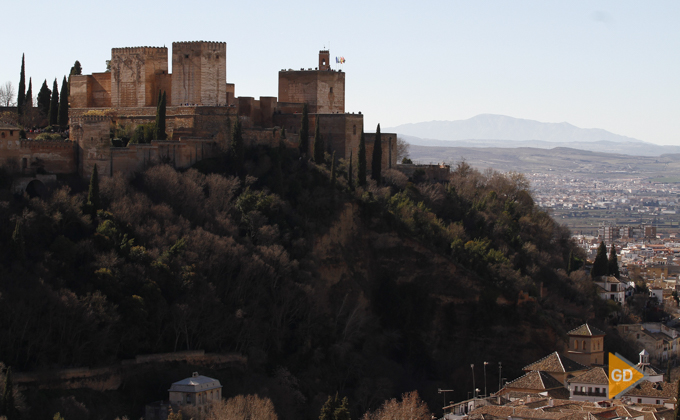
{"x":202,"y":108}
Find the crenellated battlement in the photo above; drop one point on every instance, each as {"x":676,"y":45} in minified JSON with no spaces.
{"x":93,"y":118}
{"x":139,"y":50}
{"x":42,"y":144}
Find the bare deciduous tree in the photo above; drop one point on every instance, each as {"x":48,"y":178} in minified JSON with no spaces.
{"x":402,"y":149}
{"x":7,"y":95}
{"x":410,"y":407}
{"x":242,"y":407}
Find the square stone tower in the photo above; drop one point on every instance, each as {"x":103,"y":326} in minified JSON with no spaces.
{"x":586,"y":345}
{"x":199,"y":73}
{"x":136,"y":75}
{"x":322,"y":89}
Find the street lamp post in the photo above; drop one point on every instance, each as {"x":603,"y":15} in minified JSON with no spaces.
{"x":444,"y":391}
{"x":499,"y":376}
{"x":474,"y":389}
{"x":485,"y":394}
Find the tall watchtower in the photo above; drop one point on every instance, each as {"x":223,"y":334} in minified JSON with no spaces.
{"x":136,"y":75}
{"x":199,"y":73}
{"x":586,"y":345}
{"x":324,"y":60}
{"x":323,"y":88}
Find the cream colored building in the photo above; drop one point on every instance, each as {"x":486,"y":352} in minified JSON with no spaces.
{"x":196,"y":391}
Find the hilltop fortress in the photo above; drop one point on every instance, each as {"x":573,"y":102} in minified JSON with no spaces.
{"x":202,"y":108}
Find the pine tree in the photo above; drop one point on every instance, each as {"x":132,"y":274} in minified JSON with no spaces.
{"x":318,"y":143}
{"x":613,"y":263}
{"x":54,"y":105}
{"x":159,"y":127}
{"x":76,"y":69}
{"x":333,"y":170}
{"x":237,"y":148}
{"x":350,"y":174}
{"x":328,"y":409}
{"x":342,"y":412}
{"x":376,"y":163}
{"x":304,"y":131}
{"x":601,"y":264}
{"x":44,"y":99}
{"x":21,"y":98}
{"x":361,"y":176}
{"x":93,"y":201}
{"x":62,"y":117}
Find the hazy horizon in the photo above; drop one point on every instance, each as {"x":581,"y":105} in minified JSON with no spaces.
{"x":603,"y":64}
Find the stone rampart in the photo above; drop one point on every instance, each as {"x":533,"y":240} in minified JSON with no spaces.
{"x":389,"y":150}
{"x":436,"y":173}
{"x":112,"y":377}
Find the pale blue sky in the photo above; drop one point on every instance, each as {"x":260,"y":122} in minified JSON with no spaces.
{"x":596,"y":64}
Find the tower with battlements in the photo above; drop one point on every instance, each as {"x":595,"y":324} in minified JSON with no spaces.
{"x":199,"y":73}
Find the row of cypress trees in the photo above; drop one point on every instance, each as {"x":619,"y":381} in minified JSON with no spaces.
{"x":604,"y":266}
{"x":319,"y":149}
{"x":53,"y":104}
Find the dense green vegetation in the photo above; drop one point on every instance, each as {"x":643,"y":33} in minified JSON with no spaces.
{"x":367,"y":293}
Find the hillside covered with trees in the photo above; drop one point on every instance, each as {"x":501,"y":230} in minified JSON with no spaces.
{"x":368,"y":292}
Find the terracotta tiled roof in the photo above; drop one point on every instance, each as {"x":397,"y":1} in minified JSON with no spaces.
{"x":4,"y":126}
{"x":535,"y":380}
{"x":660,"y":390}
{"x":596,"y":376}
{"x":586,"y":329}
{"x":555,"y":363}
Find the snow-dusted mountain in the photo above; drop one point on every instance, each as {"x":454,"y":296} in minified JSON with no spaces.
{"x":501,"y":127}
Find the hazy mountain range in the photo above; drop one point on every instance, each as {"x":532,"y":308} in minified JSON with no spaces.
{"x":488,"y":130}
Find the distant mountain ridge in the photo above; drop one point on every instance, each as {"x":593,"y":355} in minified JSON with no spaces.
{"x":502,"y":127}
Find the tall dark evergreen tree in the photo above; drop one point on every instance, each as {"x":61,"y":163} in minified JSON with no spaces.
{"x":304,"y":130}
{"x":62,"y":118}
{"x":54,"y":105}
{"x":21,"y":96}
{"x":76,"y":69}
{"x":159,"y":127}
{"x":237,"y":147}
{"x":613,"y":263}
{"x":28,"y":101}
{"x":361,"y":176}
{"x":350,"y":174}
{"x":18,"y":242}
{"x":318,"y":143}
{"x":44,"y":97}
{"x":93,"y":200}
{"x":328,"y":409}
{"x":376,"y":162}
{"x":333,"y":170}
{"x":601,"y":264}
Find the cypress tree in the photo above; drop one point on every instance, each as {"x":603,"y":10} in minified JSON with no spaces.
{"x":93,"y":201}
{"x":44,"y":99}
{"x":21,"y":97}
{"x":237,"y":147}
{"x":304,"y":131}
{"x":333,"y":170}
{"x":570,"y":263}
{"x":159,"y":127}
{"x":350,"y":174}
{"x":376,"y":163}
{"x":54,"y":105}
{"x":601,"y":264}
{"x":318,"y":143}
{"x":28,"y":100}
{"x":18,"y":241}
{"x":62,"y":118}
{"x":361,"y":176}
{"x":613,"y":263}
